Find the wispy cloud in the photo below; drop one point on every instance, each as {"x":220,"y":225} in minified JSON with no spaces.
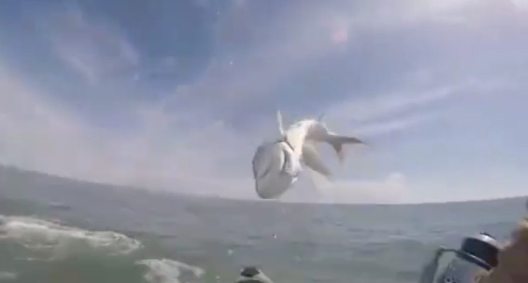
{"x":93,"y":48}
{"x":37,"y":134}
{"x":377,"y":129}
{"x":412,"y":13}
{"x":410,"y":107}
{"x":253,"y":76}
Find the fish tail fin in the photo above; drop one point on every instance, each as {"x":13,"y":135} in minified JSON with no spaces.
{"x":337,"y":142}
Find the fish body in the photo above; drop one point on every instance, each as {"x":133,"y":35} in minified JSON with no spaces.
{"x":277,"y":165}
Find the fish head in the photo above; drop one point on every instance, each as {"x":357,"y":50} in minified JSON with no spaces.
{"x":275,"y":169}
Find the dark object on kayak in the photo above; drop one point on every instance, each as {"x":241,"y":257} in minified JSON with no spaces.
{"x":251,"y":274}
{"x":483,"y":248}
{"x":476,"y":255}
{"x":249,"y":271}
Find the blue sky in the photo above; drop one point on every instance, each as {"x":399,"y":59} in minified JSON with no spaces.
{"x":176,"y":95}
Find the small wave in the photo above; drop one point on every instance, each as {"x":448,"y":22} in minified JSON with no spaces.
{"x":7,"y":276}
{"x":167,"y":270}
{"x":41,"y":235}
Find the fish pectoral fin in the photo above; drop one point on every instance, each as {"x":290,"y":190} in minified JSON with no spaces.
{"x":312,"y":160}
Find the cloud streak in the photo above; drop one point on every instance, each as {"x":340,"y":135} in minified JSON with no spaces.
{"x":91,"y":48}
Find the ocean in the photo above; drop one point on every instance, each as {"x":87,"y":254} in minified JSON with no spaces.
{"x":59,"y":230}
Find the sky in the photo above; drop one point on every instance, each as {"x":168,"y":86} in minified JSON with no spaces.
{"x":177,"y":95}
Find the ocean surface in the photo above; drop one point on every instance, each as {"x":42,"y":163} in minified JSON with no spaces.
{"x":59,"y":230}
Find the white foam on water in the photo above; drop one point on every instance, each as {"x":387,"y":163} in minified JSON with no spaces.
{"x":167,"y":270}
{"x":41,"y":235}
{"x":7,"y":276}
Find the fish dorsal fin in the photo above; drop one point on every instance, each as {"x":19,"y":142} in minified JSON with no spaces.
{"x":320,"y":118}
{"x":280,"y":124}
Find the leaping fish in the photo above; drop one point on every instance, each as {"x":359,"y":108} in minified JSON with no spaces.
{"x":278,"y":164}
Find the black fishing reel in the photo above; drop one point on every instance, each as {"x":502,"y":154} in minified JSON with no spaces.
{"x":251,"y":274}
{"x":477,"y":255}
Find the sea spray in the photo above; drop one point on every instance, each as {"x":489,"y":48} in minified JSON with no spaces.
{"x":58,"y":240}
{"x":167,"y":270}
